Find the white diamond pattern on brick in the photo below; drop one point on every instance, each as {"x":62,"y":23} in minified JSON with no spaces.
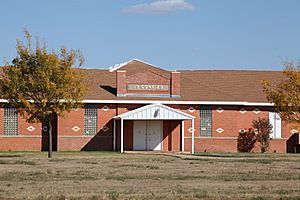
{"x":105,"y":108}
{"x":30,"y":128}
{"x":75,"y":128}
{"x":220,"y":110}
{"x":256,"y":111}
{"x":294,"y":131}
{"x":243,"y":110}
{"x":190,"y":130}
{"x":220,"y":130}
{"x":105,"y":128}
{"x":191,"y":109}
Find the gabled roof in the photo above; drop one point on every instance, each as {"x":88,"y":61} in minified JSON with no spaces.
{"x":120,"y":65}
{"x":155,"y":112}
{"x":138,"y":66}
{"x":196,"y":85}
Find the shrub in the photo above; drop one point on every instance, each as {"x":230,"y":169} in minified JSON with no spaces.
{"x":263,"y":129}
{"x":246,"y":140}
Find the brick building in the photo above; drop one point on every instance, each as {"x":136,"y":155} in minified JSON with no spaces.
{"x":137,"y":106}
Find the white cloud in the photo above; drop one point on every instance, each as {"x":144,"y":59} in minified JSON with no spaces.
{"x":160,"y":7}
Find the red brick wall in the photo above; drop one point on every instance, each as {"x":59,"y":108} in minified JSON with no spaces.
{"x":176,"y":135}
{"x":230,"y":145}
{"x":175,"y":83}
{"x":121,"y":81}
{"x":194,"y":111}
{"x":286,"y":130}
{"x":24,"y":127}
{"x":167,"y":139}
{"x":128,"y":135}
{"x":70,"y":120}
{"x":69,"y":139}
{"x":120,"y":109}
{"x":276,"y":145}
{"x":231,"y":120}
{"x":227,"y":120}
{"x":105,"y":125}
{"x":1,"y":121}
{"x":26,"y":140}
{"x":103,"y":140}
{"x":20,"y":143}
{"x":85,"y":143}
{"x":148,"y":77}
{"x":171,"y":135}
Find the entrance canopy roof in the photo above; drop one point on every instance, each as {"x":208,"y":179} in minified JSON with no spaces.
{"x":154,"y":112}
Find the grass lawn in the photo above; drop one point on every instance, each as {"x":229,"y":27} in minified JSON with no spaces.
{"x":110,"y":175}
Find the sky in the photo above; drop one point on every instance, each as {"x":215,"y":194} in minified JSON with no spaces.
{"x":171,"y":34}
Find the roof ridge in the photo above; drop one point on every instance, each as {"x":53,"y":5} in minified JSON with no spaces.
{"x":120,"y":65}
{"x":158,"y":74}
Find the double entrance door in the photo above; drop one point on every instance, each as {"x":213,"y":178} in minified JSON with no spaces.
{"x":147,"y":135}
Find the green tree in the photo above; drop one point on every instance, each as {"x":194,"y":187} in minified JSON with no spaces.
{"x":286,"y":95}
{"x":42,"y":83}
{"x":263,"y":130}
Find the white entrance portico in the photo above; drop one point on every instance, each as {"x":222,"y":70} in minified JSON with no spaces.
{"x":148,"y":126}
{"x":147,"y":135}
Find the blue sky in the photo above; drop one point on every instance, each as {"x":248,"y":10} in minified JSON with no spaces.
{"x":172,"y":34}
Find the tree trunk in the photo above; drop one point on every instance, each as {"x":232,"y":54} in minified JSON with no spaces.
{"x":49,"y":126}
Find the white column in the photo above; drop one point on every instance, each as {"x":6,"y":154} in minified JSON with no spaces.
{"x":182,"y":135}
{"x":114,"y":139}
{"x":122,"y":137}
{"x":193,"y":136}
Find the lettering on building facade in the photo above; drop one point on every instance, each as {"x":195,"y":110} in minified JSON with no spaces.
{"x":147,"y":87}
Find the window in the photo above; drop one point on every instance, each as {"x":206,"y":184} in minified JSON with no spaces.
{"x":90,"y":119}
{"x":205,"y":121}
{"x":10,"y":121}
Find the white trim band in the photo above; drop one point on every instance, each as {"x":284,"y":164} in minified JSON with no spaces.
{"x":242,"y":103}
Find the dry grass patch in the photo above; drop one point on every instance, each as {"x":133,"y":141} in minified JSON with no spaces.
{"x":110,"y":175}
